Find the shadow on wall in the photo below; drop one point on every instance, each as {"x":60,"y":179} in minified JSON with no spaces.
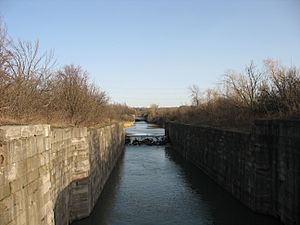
{"x":73,"y":202}
{"x":77,"y":200}
{"x":62,"y":206}
{"x":104,"y":205}
{"x":261,"y":168}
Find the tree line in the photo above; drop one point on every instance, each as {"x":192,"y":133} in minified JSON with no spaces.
{"x":32,"y":90}
{"x":272,"y":91}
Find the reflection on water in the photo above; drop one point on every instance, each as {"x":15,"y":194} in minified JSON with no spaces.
{"x":151,"y":185}
{"x":143,"y":128}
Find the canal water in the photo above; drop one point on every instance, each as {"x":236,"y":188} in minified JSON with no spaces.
{"x":150,"y":185}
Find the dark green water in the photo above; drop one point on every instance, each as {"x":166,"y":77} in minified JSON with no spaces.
{"x":152,"y":186}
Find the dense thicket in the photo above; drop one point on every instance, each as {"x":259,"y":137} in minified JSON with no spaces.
{"x":270,"y":92}
{"x":32,"y":90}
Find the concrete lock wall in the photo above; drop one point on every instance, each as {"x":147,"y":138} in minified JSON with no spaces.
{"x":260,"y":168}
{"x":54,"y":176}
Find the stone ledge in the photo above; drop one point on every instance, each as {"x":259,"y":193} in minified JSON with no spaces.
{"x":9,"y":133}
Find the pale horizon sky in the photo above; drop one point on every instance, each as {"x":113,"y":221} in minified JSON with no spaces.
{"x":144,"y":52}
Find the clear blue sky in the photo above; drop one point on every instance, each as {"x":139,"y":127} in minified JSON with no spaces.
{"x":150,"y":51}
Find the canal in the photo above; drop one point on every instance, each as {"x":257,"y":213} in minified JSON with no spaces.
{"x":150,"y":185}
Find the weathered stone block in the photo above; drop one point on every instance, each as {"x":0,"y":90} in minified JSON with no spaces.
{"x":39,"y":166}
{"x":47,"y":143}
{"x":10,"y":132}
{"x":21,"y":219}
{"x":19,"y":201}
{"x":42,"y":130}
{"x":4,"y":191}
{"x":6,"y":204}
{"x":16,"y":152}
{"x":33,"y":163}
{"x":16,"y":170}
{"x":79,"y":132}
{"x":18,"y":184}
{"x":27,"y":131}
{"x":3,"y":178}
{"x":40,"y":144}
{"x":6,"y":217}
{"x":33,"y":175}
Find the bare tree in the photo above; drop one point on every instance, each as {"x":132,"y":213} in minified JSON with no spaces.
{"x":244,"y":88}
{"x":3,"y":59}
{"x":75,"y":97}
{"x":23,"y":72}
{"x":282,"y":92}
{"x":27,"y":72}
{"x":195,"y":95}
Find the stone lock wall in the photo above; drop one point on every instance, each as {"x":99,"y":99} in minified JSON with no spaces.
{"x":54,"y":176}
{"x":260,"y":168}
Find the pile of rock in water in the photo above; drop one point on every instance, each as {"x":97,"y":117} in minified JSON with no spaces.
{"x":146,"y":140}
